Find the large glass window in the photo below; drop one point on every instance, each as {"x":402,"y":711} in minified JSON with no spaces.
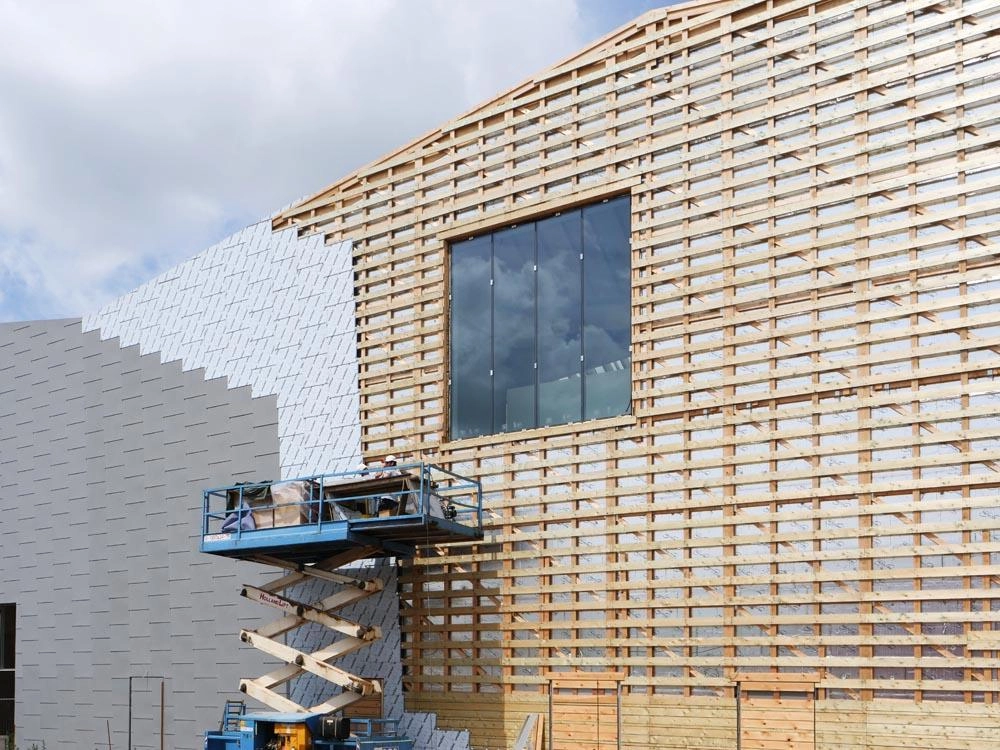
{"x":540,"y":322}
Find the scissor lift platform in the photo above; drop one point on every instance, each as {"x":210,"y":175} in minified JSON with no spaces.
{"x":312,"y":528}
{"x":333,"y":513}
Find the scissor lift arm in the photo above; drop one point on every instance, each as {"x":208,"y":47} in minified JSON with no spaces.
{"x":352,"y":635}
{"x":336,"y":520}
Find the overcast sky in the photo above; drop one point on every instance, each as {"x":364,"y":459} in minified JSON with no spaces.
{"x":134,"y":134}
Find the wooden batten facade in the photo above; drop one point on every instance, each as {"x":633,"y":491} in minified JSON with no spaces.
{"x":807,"y":485}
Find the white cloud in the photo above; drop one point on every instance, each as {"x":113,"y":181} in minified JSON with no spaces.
{"x":132,"y":135}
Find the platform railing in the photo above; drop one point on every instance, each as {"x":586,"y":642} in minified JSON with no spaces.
{"x":321,"y":499}
{"x":371,"y":728}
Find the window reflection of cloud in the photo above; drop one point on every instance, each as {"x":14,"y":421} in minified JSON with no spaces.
{"x":560,"y":341}
{"x":471,"y":394}
{"x":475,"y":274}
{"x":603,"y":347}
{"x":559,"y":327}
{"x":598,"y":290}
{"x":513,"y":327}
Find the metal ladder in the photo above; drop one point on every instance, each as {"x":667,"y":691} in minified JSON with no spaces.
{"x":231,"y":714}
{"x":295,"y":614}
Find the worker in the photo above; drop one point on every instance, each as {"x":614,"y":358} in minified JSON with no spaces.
{"x":388,"y":468}
{"x":388,"y":504}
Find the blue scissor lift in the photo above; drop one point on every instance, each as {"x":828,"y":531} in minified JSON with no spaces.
{"x":310,"y":528}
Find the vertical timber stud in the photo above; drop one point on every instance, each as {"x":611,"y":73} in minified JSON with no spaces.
{"x":688,"y":672}
{"x":728,"y":412}
{"x":969,"y":673}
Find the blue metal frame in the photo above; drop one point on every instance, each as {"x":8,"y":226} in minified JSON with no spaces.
{"x":434,"y":485}
{"x":374,"y":727}
{"x":366,"y":734}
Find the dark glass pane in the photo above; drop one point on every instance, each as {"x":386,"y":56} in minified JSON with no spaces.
{"x":514,"y":329}
{"x":607,"y":315}
{"x":471,"y":405}
{"x":546,"y":345}
{"x":7,"y":635}
{"x":560,"y":391}
{"x":6,"y":684}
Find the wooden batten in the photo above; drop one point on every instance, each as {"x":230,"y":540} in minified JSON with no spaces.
{"x":802,"y":499}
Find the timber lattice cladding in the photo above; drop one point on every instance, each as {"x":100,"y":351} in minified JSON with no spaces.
{"x":809,"y":479}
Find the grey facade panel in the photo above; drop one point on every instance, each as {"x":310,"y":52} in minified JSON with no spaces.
{"x":103,"y":456}
{"x":270,"y":311}
{"x":238,"y":364}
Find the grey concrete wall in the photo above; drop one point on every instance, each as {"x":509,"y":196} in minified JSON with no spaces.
{"x":103,"y":456}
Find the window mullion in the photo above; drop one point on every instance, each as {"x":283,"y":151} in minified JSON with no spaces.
{"x":534,"y":237}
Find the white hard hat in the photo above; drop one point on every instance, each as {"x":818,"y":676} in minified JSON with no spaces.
{"x":362,"y":466}
{"x":389,"y":458}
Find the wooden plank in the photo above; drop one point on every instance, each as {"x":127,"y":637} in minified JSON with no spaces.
{"x":777,"y":677}
{"x":526,"y":738}
{"x":769,"y":686}
{"x":768,"y":723}
{"x":584,"y":709}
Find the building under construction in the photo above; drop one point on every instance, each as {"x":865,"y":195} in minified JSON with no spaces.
{"x":710,"y":312}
